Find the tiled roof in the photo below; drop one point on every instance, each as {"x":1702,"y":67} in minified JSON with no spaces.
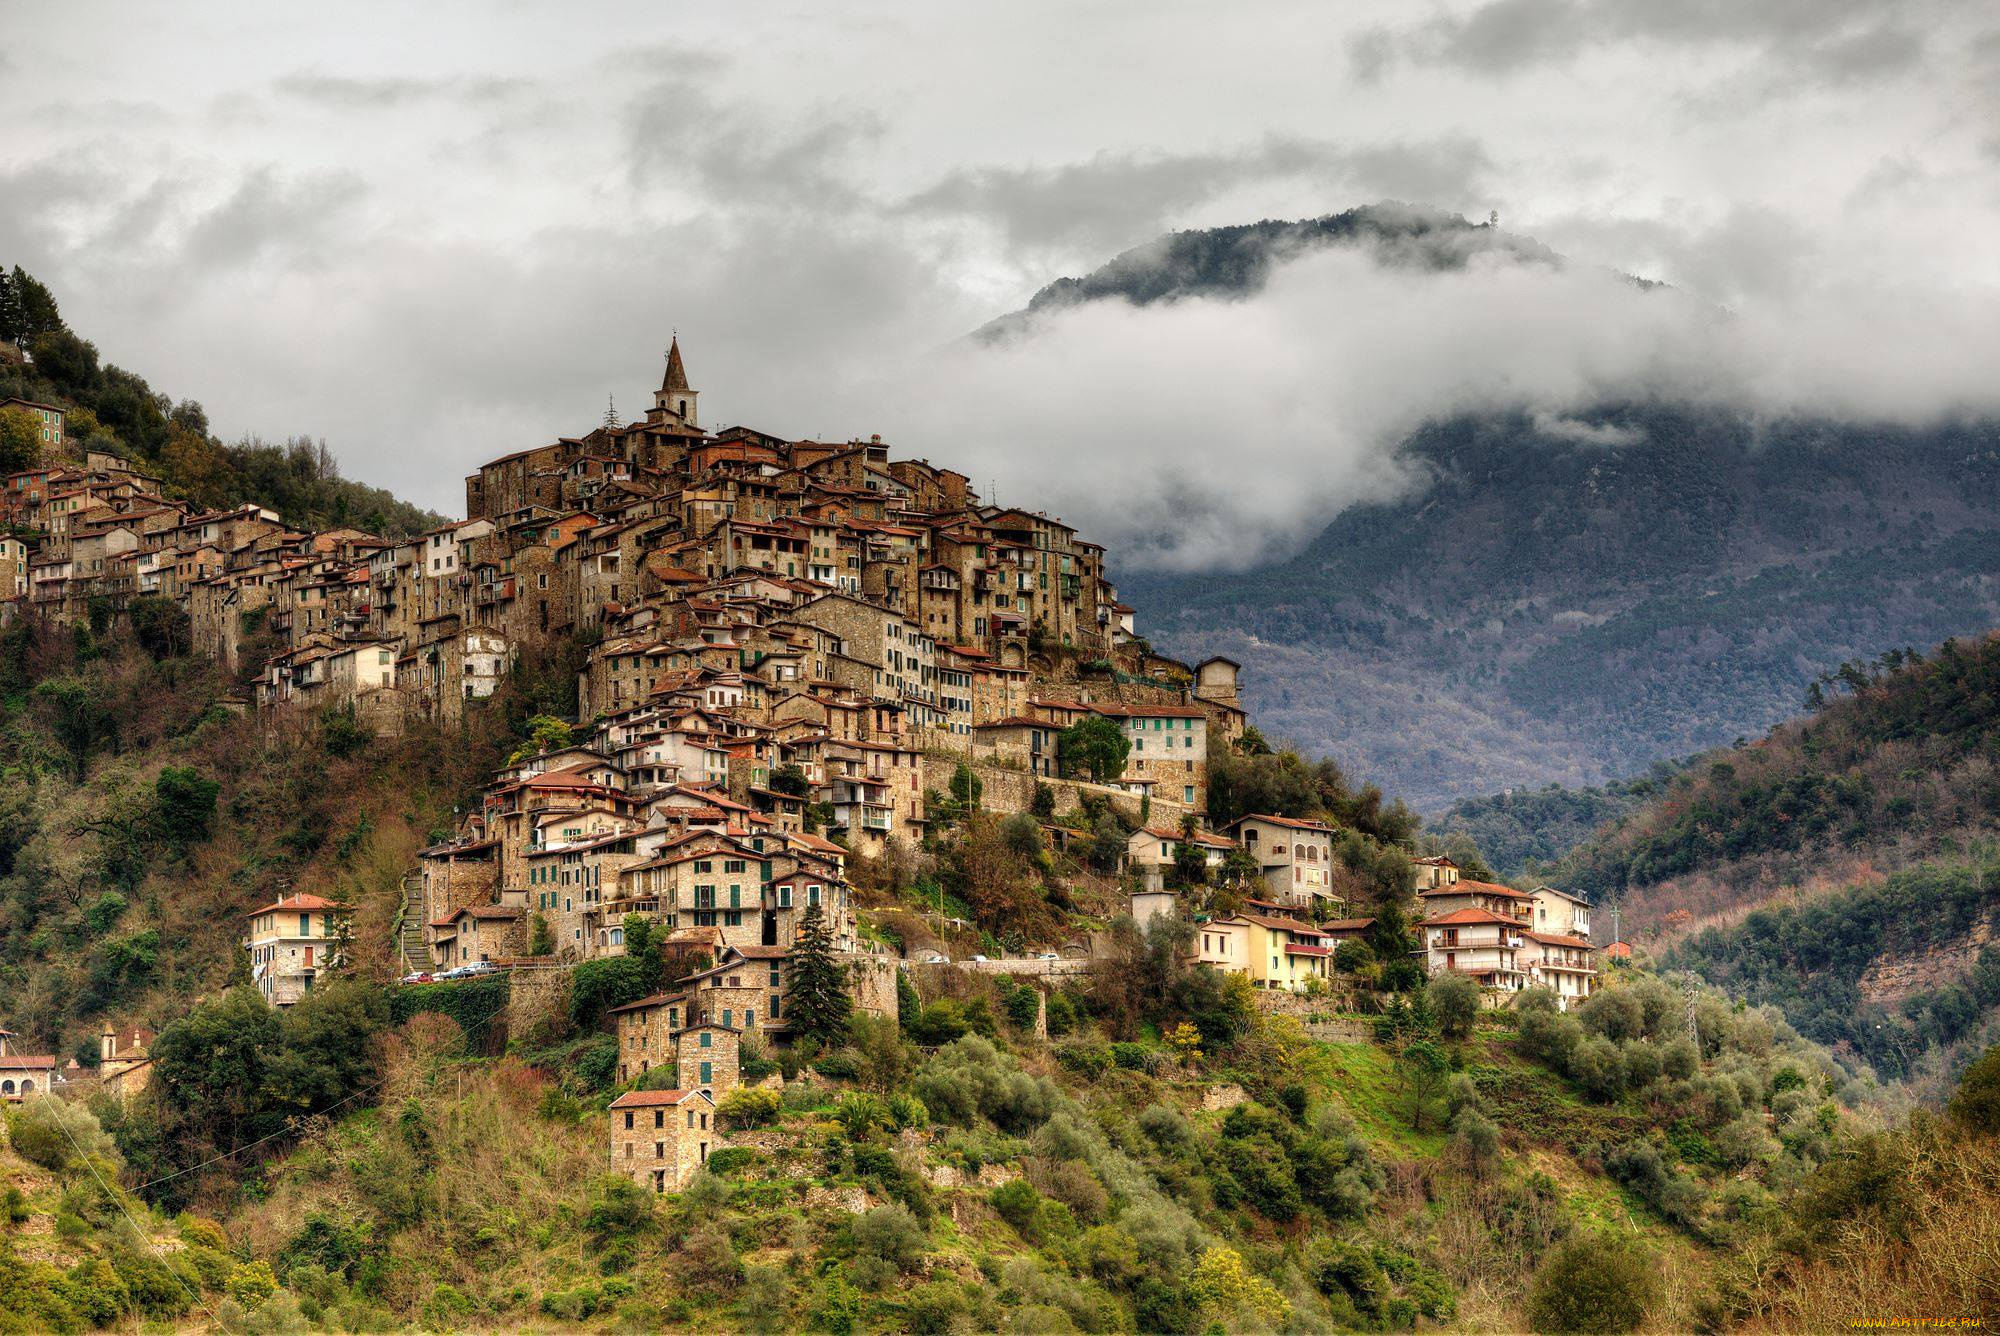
{"x":652,"y":1099}
{"x":1291,"y":823}
{"x":1462,"y":916}
{"x":298,"y":902}
{"x":1487,"y":888}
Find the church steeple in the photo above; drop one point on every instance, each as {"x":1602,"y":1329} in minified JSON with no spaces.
{"x":674,"y":398}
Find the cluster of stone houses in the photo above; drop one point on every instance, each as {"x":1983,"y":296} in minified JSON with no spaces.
{"x":1284,"y":937}
{"x":754,"y":605}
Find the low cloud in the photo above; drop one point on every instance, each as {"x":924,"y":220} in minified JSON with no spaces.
{"x":1214,"y":434}
{"x":1579,"y":432}
{"x":1100,"y":204}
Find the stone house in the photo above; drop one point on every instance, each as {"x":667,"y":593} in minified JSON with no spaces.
{"x":479,"y":932}
{"x":1562,"y":964}
{"x":23,"y":1074}
{"x":659,"y":1138}
{"x":707,"y":1057}
{"x":293,"y":941}
{"x":1294,"y":857}
{"x":1560,"y":912}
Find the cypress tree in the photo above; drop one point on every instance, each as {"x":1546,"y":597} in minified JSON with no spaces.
{"x":818,"y":998}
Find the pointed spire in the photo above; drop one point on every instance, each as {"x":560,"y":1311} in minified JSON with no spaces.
{"x":677,"y":376}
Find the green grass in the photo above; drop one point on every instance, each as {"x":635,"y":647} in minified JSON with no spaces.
{"x":1364,"y":1080}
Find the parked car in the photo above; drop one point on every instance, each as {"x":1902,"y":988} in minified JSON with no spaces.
{"x":421,"y":976}
{"x":935,"y":958}
{"x":1048,"y":955}
{"x":982,"y":960}
{"x":479,"y":967}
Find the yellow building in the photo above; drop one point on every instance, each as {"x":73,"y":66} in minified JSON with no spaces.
{"x":1263,"y":944}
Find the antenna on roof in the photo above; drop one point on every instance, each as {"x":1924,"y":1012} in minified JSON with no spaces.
{"x":610,"y":411}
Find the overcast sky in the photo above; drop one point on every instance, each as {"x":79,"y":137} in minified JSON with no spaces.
{"x":437,"y":234}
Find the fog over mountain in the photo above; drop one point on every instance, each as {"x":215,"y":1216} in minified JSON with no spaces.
{"x":1476,"y":517}
{"x":1213,"y":399}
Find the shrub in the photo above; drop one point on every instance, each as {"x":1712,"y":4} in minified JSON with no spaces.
{"x":970,"y":1078}
{"x":1223,"y":1284}
{"x":840,"y":1066}
{"x":894,"y":1235}
{"x":729,"y":1159}
{"x":1643,"y":1064}
{"x":1168,"y":1127}
{"x":1017,"y":1202}
{"x":907,"y":1111}
{"x":746,"y":1106}
{"x":1594,"y":1283}
{"x":57,"y":1134}
{"x":1131,"y":1057}
{"x":1454,"y":1001}
{"x":1976,"y":1103}
{"x":1090,"y":1060}
{"x":252,"y":1283}
{"x":859,"y":1114}
{"x":1615,"y":1013}
{"x":1071,"y":1183}
{"x":1476,"y":1139}
{"x":1598,"y":1067}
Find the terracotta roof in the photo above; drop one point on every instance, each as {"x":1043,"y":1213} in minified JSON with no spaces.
{"x":24,"y":1062}
{"x":648,"y":1003}
{"x":1555,"y":938}
{"x":1150,"y":711}
{"x":1458,"y":916}
{"x":1347,"y":925}
{"x":650,"y":1099}
{"x":1464,"y":887}
{"x":1292,"y":823}
{"x":1208,"y":838}
{"x":300,"y":902}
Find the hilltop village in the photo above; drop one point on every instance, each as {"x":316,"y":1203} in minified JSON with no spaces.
{"x":793,"y":655}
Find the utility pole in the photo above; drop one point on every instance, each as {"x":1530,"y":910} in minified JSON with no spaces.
{"x":1693,"y":1026}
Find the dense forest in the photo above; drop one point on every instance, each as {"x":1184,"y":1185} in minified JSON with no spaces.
{"x":1900,"y":756}
{"x":1524,"y":831}
{"x":116,"y":411}
{"x":1811,"y":960}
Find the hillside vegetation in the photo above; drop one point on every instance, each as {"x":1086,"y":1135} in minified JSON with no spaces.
{"x":140,"y":817}
{"x":1489,"y":1172}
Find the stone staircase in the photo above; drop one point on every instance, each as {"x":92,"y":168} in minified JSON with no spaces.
{"x":410,"y":952}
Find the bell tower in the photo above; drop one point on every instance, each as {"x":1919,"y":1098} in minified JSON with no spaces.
{"x":674,"y":399}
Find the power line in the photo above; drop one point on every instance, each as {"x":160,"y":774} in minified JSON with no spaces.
{"x":145,"y":1234}
{"x":226,"y":1155}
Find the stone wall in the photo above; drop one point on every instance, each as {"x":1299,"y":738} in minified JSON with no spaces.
{"x":1320,"y":1017}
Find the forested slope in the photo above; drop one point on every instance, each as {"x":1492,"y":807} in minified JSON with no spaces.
{"x":1842,"y":868}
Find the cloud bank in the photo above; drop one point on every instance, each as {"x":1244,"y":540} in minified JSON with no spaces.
{"x":1205,"y":434}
